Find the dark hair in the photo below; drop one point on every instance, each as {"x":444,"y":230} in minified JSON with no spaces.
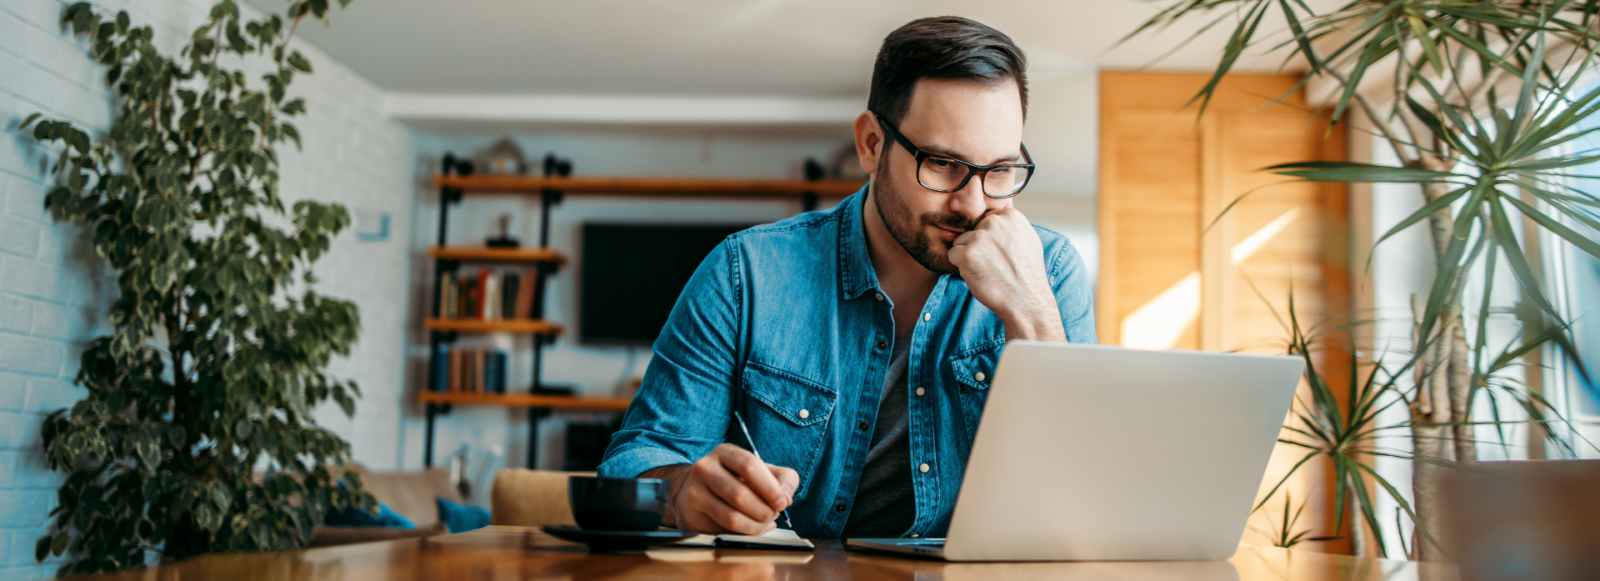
{"x":943,"y":47}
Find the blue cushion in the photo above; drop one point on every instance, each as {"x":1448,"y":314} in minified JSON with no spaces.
{"x":353,"y":516}
{"x":459,"y":518}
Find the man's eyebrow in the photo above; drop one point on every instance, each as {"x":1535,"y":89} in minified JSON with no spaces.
{"x":942,"y":152}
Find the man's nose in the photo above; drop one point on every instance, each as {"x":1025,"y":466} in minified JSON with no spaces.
{"x":969,"y":201}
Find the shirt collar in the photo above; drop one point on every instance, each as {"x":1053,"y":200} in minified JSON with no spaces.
{"x":856,"y":273}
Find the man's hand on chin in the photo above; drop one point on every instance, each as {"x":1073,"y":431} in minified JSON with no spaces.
{"x":1002,"y":261}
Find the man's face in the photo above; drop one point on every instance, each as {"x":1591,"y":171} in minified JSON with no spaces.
{"x":969,"y":121}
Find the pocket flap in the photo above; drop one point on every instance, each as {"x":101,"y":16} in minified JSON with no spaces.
{"x":797,"y":399}
{"x":974,"y":367}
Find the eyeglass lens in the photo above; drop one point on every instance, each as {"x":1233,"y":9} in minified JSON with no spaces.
{"x":946,"y":175}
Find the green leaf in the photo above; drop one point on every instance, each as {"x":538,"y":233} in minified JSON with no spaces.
{"x":58,"y":544}
{"x":1555,"y":226}
{"x":1506,"y":238}
{"x":291,"y":132}
{"x":1426,"y":40}
{"x":299,"y":62}
{"x":1427,"y":210}
{"x":1347,"y":171}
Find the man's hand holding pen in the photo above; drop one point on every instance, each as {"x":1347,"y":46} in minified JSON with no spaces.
{"x":729,"y":490}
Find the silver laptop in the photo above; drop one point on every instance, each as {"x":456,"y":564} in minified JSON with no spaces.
{"x":1095,"y":453}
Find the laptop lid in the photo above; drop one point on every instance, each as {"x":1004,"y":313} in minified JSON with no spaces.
{"x":1090,"y":452}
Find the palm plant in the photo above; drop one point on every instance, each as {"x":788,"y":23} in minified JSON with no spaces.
{"x":1343,"y":427}
{"x":1480,"y":101}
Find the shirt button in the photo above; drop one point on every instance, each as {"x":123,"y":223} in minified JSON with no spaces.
{"x":921,"y":391}
{"x":805,"y":414}
{"x":923,"y":468}
{"x":883,"y":344}
{"x":862,"y":426}
{"x":978,"y":376}
{"x":926,"y":316}
{"x":838,"y":507}
{"x":880,"y":296}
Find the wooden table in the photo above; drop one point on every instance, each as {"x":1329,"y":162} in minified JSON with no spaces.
{"x":525,"y":553}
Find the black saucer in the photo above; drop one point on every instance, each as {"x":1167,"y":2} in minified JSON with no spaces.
{"x":612,"y":541}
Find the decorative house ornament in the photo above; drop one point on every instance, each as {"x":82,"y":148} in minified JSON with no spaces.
{"x":503,"y":239}
{"x":502,"y":158}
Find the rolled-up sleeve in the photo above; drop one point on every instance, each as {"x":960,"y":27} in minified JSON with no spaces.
{"x":1074,"y":293}
{"x":682,"y":408}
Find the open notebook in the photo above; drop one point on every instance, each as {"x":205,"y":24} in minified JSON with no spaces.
{"x":778,"y":539}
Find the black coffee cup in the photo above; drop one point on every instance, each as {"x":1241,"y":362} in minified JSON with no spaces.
{"x":617,"y":504}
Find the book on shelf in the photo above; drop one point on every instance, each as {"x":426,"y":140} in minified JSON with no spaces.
{"x":491,"y":296}
{"x":510,"y":283}
{"x":524,"y":299}
{"x":441,"y":373}
{"x":478,"y":291}
{"x":486,"y":295}
{"x":472,"y":370}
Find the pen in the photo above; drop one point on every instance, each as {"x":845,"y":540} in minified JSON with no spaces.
{"x":748,"y":440}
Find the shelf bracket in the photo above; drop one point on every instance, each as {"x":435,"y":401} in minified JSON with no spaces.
{"x":449,"y":195}
{"x":547,"y":198}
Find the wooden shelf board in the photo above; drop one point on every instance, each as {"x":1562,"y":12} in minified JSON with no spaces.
{"x":529,"y":400}
{"x":693,"y":187}
{"x":487,"y":254}
{"x":534,"y":326}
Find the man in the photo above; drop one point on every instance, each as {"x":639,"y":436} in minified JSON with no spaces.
{"x":858,"y":343}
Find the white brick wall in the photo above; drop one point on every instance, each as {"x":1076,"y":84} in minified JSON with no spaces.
{"x":54,"y":292}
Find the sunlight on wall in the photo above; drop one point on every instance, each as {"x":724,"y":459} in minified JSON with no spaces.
{"x":1158,"y":323}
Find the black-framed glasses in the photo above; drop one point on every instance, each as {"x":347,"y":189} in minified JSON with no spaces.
{"x":947,"y":174}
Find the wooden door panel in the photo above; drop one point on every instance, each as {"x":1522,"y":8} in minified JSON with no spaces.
{"x":1155,"y":164}
{"x":1175,"y":275}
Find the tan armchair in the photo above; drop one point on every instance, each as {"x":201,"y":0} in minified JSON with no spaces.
{"x":531,"y":498}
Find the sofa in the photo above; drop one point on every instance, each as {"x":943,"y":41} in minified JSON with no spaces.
{"x":411,"y":494}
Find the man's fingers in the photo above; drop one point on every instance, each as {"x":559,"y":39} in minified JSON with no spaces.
{"x":720,"y":472}
{"x":756,"y":475}
{"x":787,"y":478}
{"x":724,"y":516}
{"x":958,"y":255}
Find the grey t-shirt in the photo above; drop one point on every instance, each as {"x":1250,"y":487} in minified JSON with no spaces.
{"x":885,"y":503}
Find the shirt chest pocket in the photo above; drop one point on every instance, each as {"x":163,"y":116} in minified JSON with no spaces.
{"x":787,"y":415}
{"x":973,"y":370}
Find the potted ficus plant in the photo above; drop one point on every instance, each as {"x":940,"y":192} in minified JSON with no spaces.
{"x":196,"y":434}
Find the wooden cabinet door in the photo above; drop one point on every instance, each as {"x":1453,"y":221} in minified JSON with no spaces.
{"x":1176,"y":272}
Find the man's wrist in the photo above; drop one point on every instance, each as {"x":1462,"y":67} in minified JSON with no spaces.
{"x":1038,"y":318}
{"x":676,"y":475}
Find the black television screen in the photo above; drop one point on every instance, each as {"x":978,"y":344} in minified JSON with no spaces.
{"x":632,"y":274}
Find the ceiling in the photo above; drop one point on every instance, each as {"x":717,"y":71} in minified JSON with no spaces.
{"x":787,"y":48}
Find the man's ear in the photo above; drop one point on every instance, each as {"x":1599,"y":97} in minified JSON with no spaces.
{"x":869,"y":141}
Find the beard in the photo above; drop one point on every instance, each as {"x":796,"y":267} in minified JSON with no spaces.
{"x":918,"y":235}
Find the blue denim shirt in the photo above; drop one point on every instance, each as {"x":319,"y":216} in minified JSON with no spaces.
{"x":785,"y":323}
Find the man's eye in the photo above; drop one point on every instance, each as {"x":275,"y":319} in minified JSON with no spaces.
{"x":1000,"y":171}
{"x":941,"y":163}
